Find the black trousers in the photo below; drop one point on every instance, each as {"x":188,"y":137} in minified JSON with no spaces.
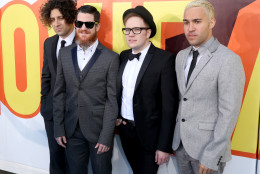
{"x":79,"y":149}
{"x":57,"y":153}
{"x":142,"y":161}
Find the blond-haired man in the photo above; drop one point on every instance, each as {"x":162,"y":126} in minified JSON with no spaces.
{"x":211,"y":83}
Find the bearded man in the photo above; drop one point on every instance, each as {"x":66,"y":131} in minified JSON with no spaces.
{"x":84,"y":99}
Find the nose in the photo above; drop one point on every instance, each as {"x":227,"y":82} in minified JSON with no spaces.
{"x":84,"y":27}
{"x":131,"y":33}
{"x":191,"y":27}
{"x":56,"y":22}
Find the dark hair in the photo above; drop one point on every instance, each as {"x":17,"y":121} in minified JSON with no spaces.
{"x":91,"y":10}
{"x":66,"y":7}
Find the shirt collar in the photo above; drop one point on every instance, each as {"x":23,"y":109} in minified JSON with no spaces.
{"x":144,"y":51}
{"x":91,"y":48}
{"x":69,"y":39}
{"x":205,"y":46}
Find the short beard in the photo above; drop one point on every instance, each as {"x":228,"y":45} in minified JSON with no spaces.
{"x":85,"y":42}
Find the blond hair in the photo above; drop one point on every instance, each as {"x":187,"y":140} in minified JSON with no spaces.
{"x":209,"y":9}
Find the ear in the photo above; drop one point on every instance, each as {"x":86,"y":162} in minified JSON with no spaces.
{"x":148,"y":33}
{"x":98,"y":27}
{"x":212,"y":23}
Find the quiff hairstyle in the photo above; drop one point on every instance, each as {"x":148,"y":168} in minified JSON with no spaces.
{"x":66,"y":7}
{"x":91,"y":10}
{"x":209,"y":9}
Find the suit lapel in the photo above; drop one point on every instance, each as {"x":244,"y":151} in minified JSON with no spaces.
{"x":89,"y":64}
{"x":93,"y":59}
{"x":53,"y":53}
{"x":75,"y":60}
{"x":201,"y":64}
{"x":145,"y":64}
{"x":183,"y":66}
{"x":203,"y":61}
{"x":121,"y":71}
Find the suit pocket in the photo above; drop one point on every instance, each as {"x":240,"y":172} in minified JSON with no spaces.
{"x":96,"y":121}
{"x":207,"y":126}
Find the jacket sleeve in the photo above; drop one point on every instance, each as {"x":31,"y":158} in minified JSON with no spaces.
{"x":45,"y":80}
{"x":231,"y":82}
{"x":169,"y":91}
{"x":59,"y":99}
{"x":111,"y":107}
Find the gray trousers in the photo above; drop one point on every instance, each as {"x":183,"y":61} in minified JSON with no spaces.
{"x":189,"y":165}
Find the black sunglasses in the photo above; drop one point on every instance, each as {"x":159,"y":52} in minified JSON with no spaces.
{"x":89,"y":25}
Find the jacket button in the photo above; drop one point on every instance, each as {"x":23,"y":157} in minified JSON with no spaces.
{"x":183,"y":120}
{"x":185,"y":99}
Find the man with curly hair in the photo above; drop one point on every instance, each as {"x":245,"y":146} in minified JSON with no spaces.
{"x":60,"y":15}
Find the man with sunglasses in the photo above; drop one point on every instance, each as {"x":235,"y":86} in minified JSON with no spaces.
{"x":60,"y":15}
{"x":147,"y":95}
{"x":84,"y":98}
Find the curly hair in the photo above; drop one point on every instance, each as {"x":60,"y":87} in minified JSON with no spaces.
{"x":67,"y":8}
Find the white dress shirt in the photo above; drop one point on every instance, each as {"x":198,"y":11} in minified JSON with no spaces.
{"x":201,"y":50}
{"x":84,"y":56}
{"x":68,"y":40}
{"x":129,"y":78}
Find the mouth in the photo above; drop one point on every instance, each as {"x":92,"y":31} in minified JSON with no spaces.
{"x":192,"y":36}
{"x":131,"y":41}
{"x":58,"y":29}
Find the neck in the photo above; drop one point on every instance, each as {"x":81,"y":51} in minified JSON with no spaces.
{"x":138,"y":50}
{"x":70,"y":31}
{"x":86,"y":45}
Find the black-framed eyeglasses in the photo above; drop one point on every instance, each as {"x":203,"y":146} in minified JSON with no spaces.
{"x":135,"y":30}
{"x":89,"y":25}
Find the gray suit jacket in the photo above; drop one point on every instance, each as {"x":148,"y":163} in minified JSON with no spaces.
{"x":90,"y":101}
{"x":210,"y":104}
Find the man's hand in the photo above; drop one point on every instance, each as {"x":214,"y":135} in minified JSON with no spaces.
{"x":161,"y":157}
{"x":101,"y":148}
{"x":119,"y":121}
{"x":61,"y":141}
{"x":204,"y":169}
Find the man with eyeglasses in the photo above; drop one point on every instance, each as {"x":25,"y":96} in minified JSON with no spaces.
{"x":84,"y":99}
{"x":147,"y":95}
{"x":60,"y":15}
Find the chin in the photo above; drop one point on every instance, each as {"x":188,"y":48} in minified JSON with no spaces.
{"x":131,"y":45}
{"x":192,"y":43}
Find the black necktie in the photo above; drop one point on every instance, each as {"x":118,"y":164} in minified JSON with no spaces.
{"x":132,"y":56}
{"x":62,"y":43}
{"x":193,"y":64}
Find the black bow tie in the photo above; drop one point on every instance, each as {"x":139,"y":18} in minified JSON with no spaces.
{"x":132,"y":56}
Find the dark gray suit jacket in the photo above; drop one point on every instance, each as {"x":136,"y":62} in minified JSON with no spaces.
{"x":90,"y":101}
{"x":48,"y":76}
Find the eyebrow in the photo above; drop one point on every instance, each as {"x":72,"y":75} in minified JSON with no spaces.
{"x":186,"y":20}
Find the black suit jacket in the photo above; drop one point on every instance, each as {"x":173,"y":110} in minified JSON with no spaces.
{"x":155,"y":100}
{"x":48,"y":76}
